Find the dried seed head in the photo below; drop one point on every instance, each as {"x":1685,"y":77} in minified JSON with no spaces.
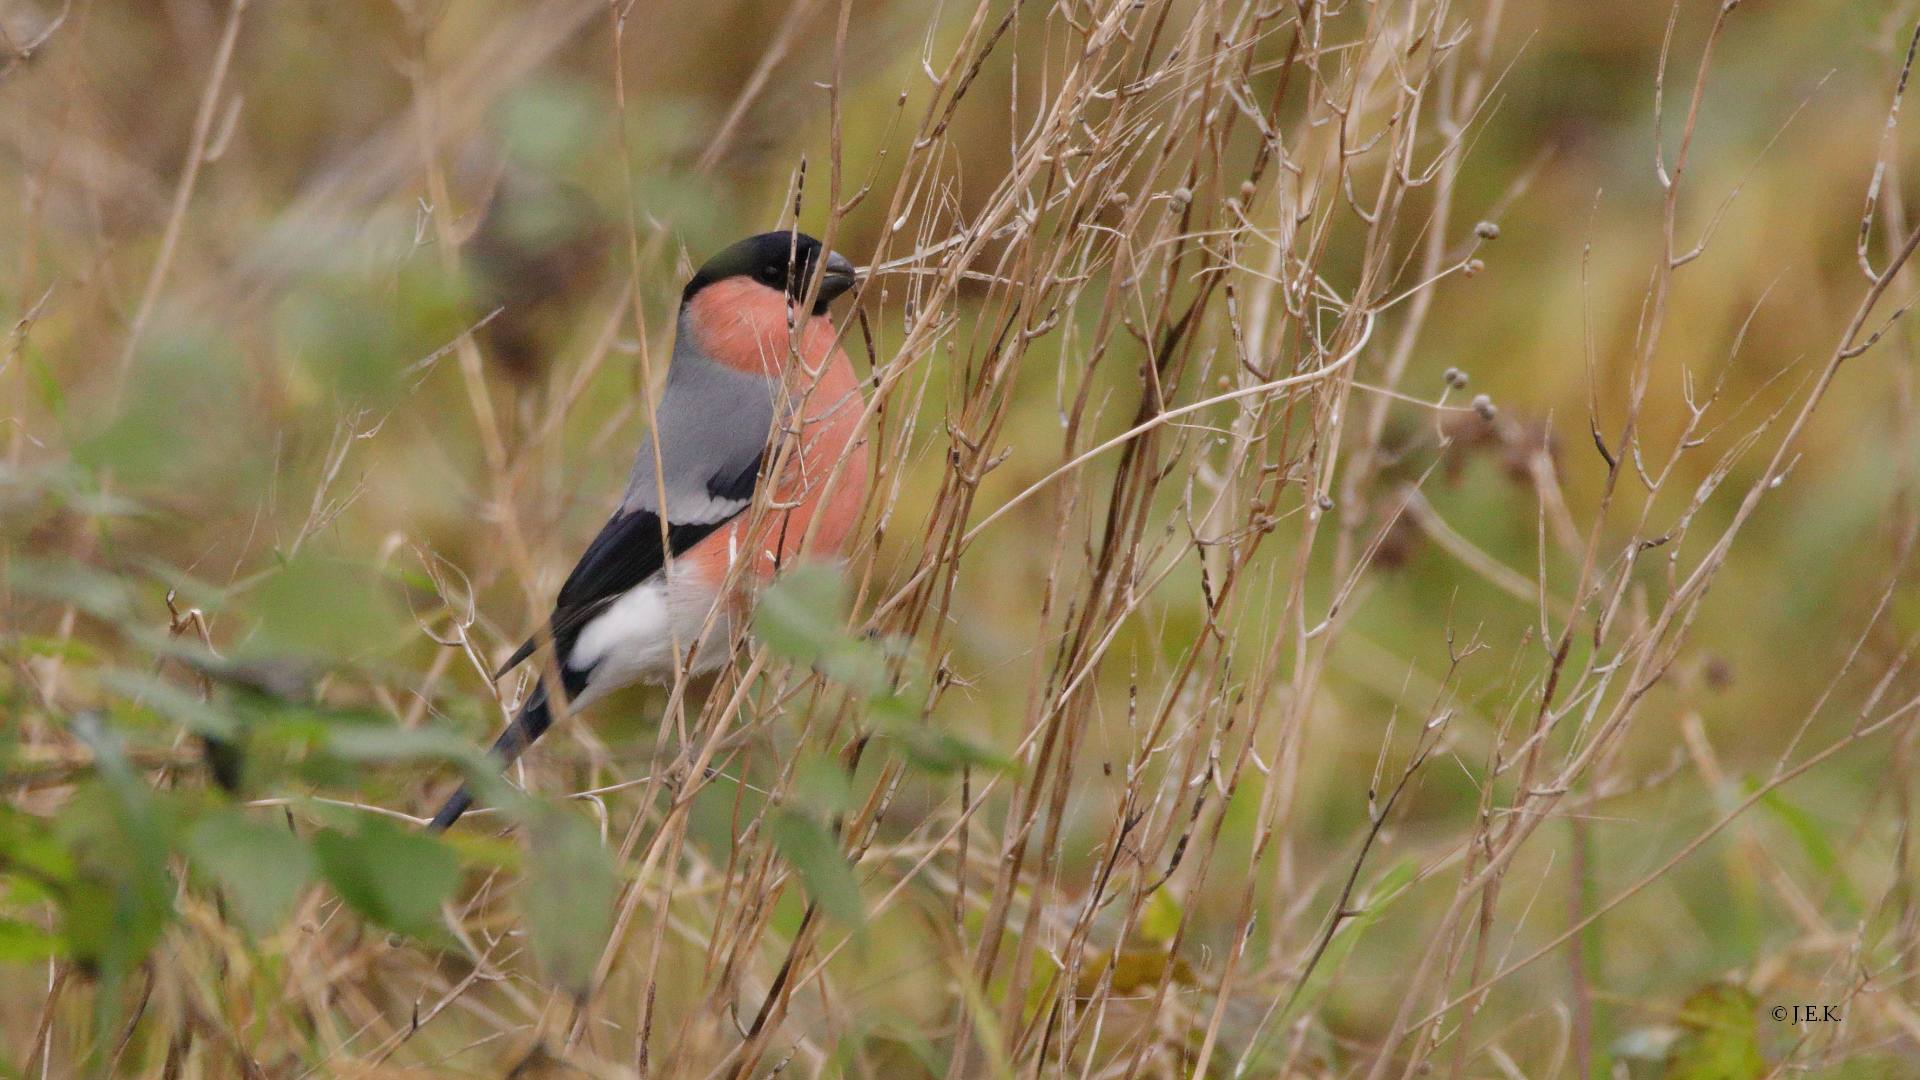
{"x":1456,"y":379}
{"x":1180,"y":198}
{"x":1247,"y":189}
{"x":1473,"y":267}
{"x":1225,"y":383}
{"x":1119,"y":198}
{"x":1487,"y":230}
{"x":1325,"y":503}
{"x":1483,"y":406}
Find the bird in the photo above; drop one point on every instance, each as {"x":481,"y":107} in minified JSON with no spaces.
{"x":742,"y":399}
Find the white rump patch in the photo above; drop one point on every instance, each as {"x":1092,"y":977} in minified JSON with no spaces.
{"x":635,"y":638}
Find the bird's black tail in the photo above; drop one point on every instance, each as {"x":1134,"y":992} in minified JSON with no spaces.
{"x":530,"y":724}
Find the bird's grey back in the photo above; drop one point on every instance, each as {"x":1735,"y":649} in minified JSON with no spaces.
{"x":713,"y":422}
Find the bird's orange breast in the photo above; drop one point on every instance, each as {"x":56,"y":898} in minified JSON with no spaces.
{"x":743,"y":325}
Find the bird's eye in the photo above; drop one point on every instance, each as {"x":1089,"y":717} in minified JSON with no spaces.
{"x":770,"y":275}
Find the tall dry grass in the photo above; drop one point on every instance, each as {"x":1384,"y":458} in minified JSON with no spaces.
{"x":1146,"y":440}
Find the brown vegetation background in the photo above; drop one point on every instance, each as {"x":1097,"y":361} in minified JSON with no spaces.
{"x":1348,"y":727}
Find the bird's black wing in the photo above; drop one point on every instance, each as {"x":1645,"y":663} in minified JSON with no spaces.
{"x":628,"y":551}
{"x":738,"y":488}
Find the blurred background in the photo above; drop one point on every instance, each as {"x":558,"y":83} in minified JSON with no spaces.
{"x":247,"y":397}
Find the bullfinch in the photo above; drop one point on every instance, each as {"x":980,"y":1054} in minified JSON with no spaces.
{"x":652,"y":592}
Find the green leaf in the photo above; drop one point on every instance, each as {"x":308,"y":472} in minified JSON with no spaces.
{"x":1133,"y":971}
{"x":385,"y":743}
{"x":1385,"y":891}
{"x":24,"y":943}
{"x":898,"y":1051}
{"x":568,"y":897}
{"x":1720,"y":1038}
{"x":546,"y":124}
{"x":269,"y":682}
{"x":820,"y":784}
{"x":1161,"y":920}
{"x":823,"y":868}
{"x":263,"y":866}
{"x":99,"y":594}
{"x":897,"y":710}
{"x":65,"y":649}
{"x":121,"y":895}
{"x":486,"y":852}
{"x":321,"y":608}
{"x":802,"y":616}
{"x":181,"y":410}
{"x":33,"y":853}
{"x":51,"y":392}
{"x":1814,"y":843}
{"x":860,"y":666}
{"x":21,"y":891}
{"x":943,"y":752}
{"x":180,"y":706}
{"x":189,"y":590}
{"x":394,"y":877}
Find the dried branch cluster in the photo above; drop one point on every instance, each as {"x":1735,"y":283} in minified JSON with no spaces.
{"x":1212,"y":254}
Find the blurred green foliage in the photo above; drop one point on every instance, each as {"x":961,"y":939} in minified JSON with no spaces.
{"x":108,"y":862}
{"x":396,"y":877}
{"x":568,"y":897}
{"x":184,"y":387}
{"x":1718,"y":1038}
{"x":310,"y":283}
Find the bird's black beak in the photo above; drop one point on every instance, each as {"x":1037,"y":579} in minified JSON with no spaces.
{"x":840,"y":276}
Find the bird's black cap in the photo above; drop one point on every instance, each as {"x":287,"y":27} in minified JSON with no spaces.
{"x":779,"y":260}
